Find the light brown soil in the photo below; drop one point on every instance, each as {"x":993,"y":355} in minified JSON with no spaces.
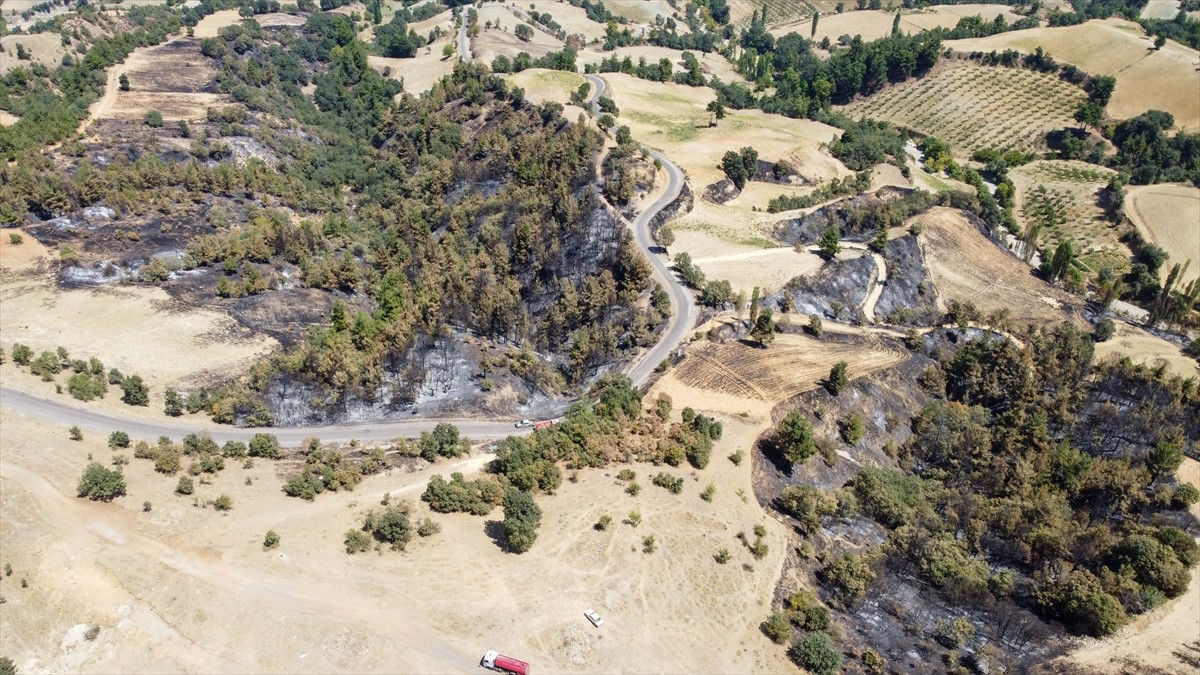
{"x":209,"y":25}
{"x":966,"y":266}
{"x":769,"y":268}
{"x":573,"y":19}
{"x":1142,"y":347}
{"x":874,"y":24}
{"x":642,"y":11}
{"x":1169,"y":216}
{"x":187,"y":589}
{"x":547,"y":85}
{"x":1122,"y":49}
{"x":137,"y":329}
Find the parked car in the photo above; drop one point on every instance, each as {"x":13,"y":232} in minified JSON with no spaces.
{"x":521,"y":424}
{"x":594,"y":618}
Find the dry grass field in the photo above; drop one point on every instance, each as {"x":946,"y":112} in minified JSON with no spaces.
{"x":1119,"y":48}
{"x":736,"y":377}
{"x":973,"y":107}
{"x":1169,"y":216}
{"x":874,"y":24}
{"x":136,"y":329}
{"x":499,"y":39}
{"x":172,"y":78}
{"x":1142,"y":347}
{"x":1060,"y":196}
{"x":967,"y":267}
{"x":768,"y":268}
{"x":184,"y":588}
{"x":711,"y":64}
{"x":44,"y":48}
{"x":209,"y":25}
{"x":642,"y":11}
{"x":572,"y":19}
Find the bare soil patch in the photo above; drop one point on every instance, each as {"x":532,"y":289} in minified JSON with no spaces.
{"x":209,"y":25}
{"x":173,"y":78}
{"x":973,"y":107}
{"x":547,"y":85}
{"x":1169,"y":216}
{"x":1122,"y":49}
{"x":1143,"y":347}
{"x":968,"y":267}
{"x":769,"y":269}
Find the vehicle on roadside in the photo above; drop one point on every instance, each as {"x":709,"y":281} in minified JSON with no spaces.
{"x":594,"y":618}
{"x":521,"y":424}
{"x":493,"y":660}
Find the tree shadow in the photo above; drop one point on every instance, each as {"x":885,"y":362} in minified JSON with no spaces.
{"x":494,"y":529}
{"x":774,"y":454}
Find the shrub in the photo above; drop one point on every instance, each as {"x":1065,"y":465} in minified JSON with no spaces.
{"x":634,"y":518}
{"x":21,"y":354}
{"x":603,"y":523}
{"x":633,"y":489}
{"x":817,"y":654}
{"x":76,"y":433}
{"x":357,"y":541}
{"x":649,"y":544}
{"x":234,"y":449}
{"x":709,"y":492}
{"x":778,"y":628}
{"x":1105,"y":330}
{"x":223,"y":503}
{"x":265,"y":445}
{"x":849,"y":576}
{"x":185,"y":486}
{"x":391,"y":526}
{"x":626,"y":474}
{"x":795,"y":439}
{"x":737,"y":457}
{"x":672,"y":483}
{"x":852,"y":429}
{"x":166,"y":460}
{"x":15,"y":239}
{"x":85,"y":387}
{"x":428,"y":528}
{"x":477,"y":497}
{"x":153,"y":119}
{"x":135,"y":391}
{"x":723,"y":556}
{"x":271,"y":540}
{"x":100,"y":484}
{"x":444,"y":441}
{"x":118,"y":439}
{"x":759,"y":549}
{"x":146,"y":506}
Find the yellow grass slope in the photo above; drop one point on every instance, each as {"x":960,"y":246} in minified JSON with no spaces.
{"x":1169,"y":216}
{"x":873,"y":24}
{"x":967,"y":267}
{"x":1147,"y":79}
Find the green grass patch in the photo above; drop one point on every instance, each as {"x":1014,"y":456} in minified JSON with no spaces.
{"x":673,"y":129}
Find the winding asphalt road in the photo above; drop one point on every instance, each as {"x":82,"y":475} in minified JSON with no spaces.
{"x":64,"y":412}
{"x":464,"y":45}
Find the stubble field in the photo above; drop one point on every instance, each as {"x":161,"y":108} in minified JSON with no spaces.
{"x":1169,"y":216}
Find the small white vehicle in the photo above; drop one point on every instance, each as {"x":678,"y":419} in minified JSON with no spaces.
{"x":521,"y":424}
{"x":594,"y":618}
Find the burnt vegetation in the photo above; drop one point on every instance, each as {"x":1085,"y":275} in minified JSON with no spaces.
{"x":396,"y":225}
{"x":1033,"y":492}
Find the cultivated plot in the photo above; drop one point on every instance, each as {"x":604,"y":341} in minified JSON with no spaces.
{"x":973,"y":107}
{"x":1169,"y":216}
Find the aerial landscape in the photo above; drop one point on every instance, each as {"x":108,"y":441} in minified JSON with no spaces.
{"x":600,"y":336}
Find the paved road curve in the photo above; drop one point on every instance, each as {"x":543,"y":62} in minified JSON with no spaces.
{"x":464,"y":45}
{"x":65,"y":412}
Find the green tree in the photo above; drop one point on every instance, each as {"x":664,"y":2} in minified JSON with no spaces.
{"x":124,"y":82}
{"x":666,"y":236}
{"x":392,"y":526}
{"x":135,"y":391}
{"x":444,"y":441}
{"x":735,"y":170}
{"x":816,"y":18}
{"x":838,"y":377}
{"x":717,"y":108}
{"x":7,"y":667}
{"x":1164,"y":459}
{"x":153,"y":119}
{"x":100,"y":484}
{"x":794,"y":437}
{"x":522,"y":517}
{"x":1105,"y":330}
{"x":173,"y":403}
{"x":817,"y":654}
{"x":763,"y":329}
{"x":830,"y":242}
{"x":815,"y":326}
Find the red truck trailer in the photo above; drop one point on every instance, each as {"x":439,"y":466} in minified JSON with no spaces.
{"x":500,"y":663}
{"x":546,"y":423}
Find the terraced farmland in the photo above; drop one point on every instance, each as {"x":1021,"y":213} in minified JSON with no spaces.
{"x":973,"y":107}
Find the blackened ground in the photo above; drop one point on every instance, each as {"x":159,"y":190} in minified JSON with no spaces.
{"x":909,"y":297}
